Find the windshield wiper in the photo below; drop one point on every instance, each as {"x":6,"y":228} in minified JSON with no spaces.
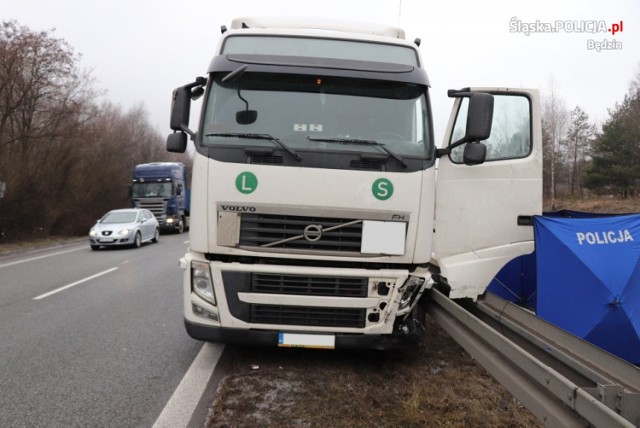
{"x":363,"y":142}
{"x":257,"y":137}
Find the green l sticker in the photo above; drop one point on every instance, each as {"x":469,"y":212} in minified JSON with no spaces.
{"x":246,"y":182}
{"x":382,"y":189}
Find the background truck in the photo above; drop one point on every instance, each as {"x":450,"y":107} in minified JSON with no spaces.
{"x":318,"y":218}
{"x":162,"y":188}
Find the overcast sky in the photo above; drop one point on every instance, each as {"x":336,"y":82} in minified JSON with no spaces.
{"x":139,"y":50}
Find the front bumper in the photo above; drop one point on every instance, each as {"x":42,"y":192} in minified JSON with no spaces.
{"x":361,"y":308}
{"x":111,"y":242}
{"x":401,"y":339}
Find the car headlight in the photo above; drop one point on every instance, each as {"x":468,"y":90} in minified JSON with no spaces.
{"x":201,"y":281}
{"x":93,"y":232}
{"x":124,"y":232}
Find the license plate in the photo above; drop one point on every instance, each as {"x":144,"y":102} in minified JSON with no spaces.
{"x":106,"y":240}
{"x":296,"y":340}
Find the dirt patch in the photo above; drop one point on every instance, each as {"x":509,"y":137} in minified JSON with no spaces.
{"x":435,"y":384}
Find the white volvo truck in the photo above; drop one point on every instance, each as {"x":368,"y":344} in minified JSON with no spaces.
{"x":321,"y":207}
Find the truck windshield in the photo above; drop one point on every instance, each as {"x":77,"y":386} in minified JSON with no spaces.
{"x":310,"y":112}
{"x":152,"y":190}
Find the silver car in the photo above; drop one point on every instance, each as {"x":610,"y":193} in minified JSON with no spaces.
{"x":130,"y":227}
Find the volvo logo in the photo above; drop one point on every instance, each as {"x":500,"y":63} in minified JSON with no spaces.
{"x":312,"y":233}
{"x":238,"y":208}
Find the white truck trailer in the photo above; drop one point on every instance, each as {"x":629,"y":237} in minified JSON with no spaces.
{"x":321,"y":208}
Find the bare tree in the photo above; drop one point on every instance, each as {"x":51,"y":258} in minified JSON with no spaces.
{"x":65,"y":158}
{"x":555,"y":118}
{"x":40,"y":87}
{"x":41,"y":92}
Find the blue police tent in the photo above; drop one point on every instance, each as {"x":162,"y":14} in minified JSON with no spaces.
{"x":588,"y":279}
{"x":516,"y":281}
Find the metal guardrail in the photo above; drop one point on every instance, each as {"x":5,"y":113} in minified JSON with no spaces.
{"x":563,"y":380}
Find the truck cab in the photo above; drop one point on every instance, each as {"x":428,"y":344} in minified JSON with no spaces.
{"x":162,"y":188}
{"x":322,"y":206}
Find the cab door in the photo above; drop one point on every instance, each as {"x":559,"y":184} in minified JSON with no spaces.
{"x":483,"y":211}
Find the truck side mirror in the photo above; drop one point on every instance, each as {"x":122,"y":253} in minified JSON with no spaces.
{"x":479,"y":116}
{"x":181,"y":104}
{"x":179,"y":190}
{"x":177,"y":142}
{"x":479,"y":120}
{"x":180,"y":109}
{"x":474,"y":154}
{"x":478,"y":128}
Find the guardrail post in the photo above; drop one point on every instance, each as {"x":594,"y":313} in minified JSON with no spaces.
{"x":630,"y":405}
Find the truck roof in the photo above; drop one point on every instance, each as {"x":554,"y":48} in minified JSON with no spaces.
{"x":318,"y":24}
{"x":318,"y":38}
{"x":159,"y":169}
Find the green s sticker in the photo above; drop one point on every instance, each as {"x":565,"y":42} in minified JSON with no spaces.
{"x":382,"y":189}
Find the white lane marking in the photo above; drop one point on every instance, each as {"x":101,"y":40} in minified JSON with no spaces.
{"x":185,"y":242}
{"x":185,"y":398}
{"x":41,"y":257}
{"x":57,"y":290}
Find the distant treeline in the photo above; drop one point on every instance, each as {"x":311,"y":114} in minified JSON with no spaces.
{"x":66,"y":157}
{"x":581,"y":160}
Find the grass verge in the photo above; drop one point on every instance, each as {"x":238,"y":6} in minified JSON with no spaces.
{"x":435,"y":384}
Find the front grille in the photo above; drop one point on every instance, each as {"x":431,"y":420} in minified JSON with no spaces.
{"x":309,"y":285}
{"x":287,"y":232}
{"x":157,"y":207}
{"x":308,"y":316}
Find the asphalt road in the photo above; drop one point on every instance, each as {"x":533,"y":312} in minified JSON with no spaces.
{"x":92,"y":338}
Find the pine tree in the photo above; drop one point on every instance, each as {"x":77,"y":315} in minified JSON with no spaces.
{"x":578,"y":145}
{"x":616,"y":152}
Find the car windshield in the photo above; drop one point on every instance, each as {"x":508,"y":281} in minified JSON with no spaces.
{"x":305,"y":112}
{"x":152,"y":190}
{"x":119,"y":217}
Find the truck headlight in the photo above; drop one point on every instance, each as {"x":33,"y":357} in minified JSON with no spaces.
{"x":409,"y":291}
{"x":201,"y":281}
